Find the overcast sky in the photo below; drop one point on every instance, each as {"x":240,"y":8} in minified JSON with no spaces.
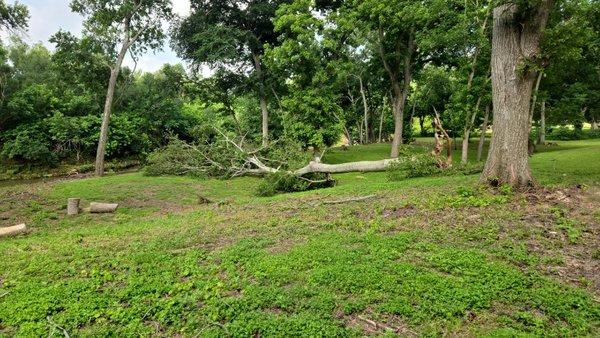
{"x":48,"y":16}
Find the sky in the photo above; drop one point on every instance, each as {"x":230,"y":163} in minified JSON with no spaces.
{"x":48,"y":16}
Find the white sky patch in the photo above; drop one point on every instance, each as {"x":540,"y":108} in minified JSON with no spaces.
{"x":49,"y":16}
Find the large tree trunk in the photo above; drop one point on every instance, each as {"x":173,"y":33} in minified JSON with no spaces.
{"x":483,"y":130}
{"x":262,"y":97}
{"x":515,"y":42}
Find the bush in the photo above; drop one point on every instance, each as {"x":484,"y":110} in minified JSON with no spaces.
{"x":418,"y":165}
{"x":565,"y":134}
{"x":283,"y":182}
{"x":177,"y":158}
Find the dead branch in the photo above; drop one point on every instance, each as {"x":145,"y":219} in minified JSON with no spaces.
{"x":348,"y":200}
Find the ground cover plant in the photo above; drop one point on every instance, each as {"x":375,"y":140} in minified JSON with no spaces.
{"x":431,"y":256}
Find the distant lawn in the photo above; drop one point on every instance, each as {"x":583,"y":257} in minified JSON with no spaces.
{"x":422,"y":257}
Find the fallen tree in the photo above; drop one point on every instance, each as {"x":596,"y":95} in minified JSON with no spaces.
{"x":226,"y":157}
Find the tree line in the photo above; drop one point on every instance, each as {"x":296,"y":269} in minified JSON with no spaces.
{"x":308,"y":71}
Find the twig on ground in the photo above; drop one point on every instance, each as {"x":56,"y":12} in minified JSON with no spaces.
{"x":347,"y":200}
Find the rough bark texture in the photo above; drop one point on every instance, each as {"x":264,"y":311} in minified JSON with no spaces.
{"x":73,"y":206}
{"x":14,"y":230}
{"x":515,"y":43}
{"x":484,"y":127}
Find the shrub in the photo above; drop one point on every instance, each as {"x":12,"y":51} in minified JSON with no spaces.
{"x":566,"y":134}
{"x":418,"y":165}
{"x":177,"y":158}
{"x":283,"y":182}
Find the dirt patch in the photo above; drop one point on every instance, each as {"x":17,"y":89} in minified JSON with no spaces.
{"x":566,"y":222}
{"x":398,"y":212}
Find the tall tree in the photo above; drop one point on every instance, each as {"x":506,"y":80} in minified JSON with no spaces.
{"x":516,"y":35}
{"x":122,"y":26}
{"x":230,"y":33}
{"x":13,"y":17}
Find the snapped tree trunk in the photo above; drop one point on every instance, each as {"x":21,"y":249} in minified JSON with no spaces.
{"x":515,"y":43}
{"x":262,"y":97}
{"x":483,"y":131}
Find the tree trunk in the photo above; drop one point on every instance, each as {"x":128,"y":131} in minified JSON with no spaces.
{"x":100,"y":208}
{"x":594,"y":124}
{"x":110,"y":94}
{"x":13,"y":230}
{"x":365,"y":109}
{"x":422,"y":125}
{"x":543,"y":123}
{"x":262,"y":97}
{"x":516,"y":40}
{"x":381,"y":122}
{"x":467,"y":132}
{"x":483,"y":130}
{"x":112,"y":83}
{"x":400,"y":93}
{"x":535,"y":94}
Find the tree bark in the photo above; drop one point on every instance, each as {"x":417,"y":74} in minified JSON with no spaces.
{"x":365,"y":109}
{"x":400,"y":93}
{"x":108,"y":103}
{"x":13,"y":230}
{"x":543,"y":123}
{"x":515,"y":42}
{"x":594,"y":124}
{"x":99,"y":208}
{"x":262,"y":97}
{"x":483,"y":130}
{"x":464,"y":157}
{"x":381,"y":122}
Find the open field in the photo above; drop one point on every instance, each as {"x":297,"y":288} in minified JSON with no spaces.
{"x":421,"y":257}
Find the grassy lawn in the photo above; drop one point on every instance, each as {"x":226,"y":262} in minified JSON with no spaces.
{"x":423,"y":257}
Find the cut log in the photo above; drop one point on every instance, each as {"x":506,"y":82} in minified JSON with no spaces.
{"x":14,"y":230}
{"x":103,"y":207}
{"x":73,"y":206}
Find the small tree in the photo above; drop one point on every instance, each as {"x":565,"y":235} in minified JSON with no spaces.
{"x":124,"y":26}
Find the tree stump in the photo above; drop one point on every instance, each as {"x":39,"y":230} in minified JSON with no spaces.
{"x":103,"y":207}
{"x":14,"y":230}
{"x":73,"y":206}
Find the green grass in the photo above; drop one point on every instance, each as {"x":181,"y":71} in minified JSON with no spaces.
{"x":427,"y":256}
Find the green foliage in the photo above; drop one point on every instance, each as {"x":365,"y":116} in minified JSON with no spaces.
{"x":177,"y":158}
{"x":418,"y":165}
{"x":283,"y":182}
{"x":565,"y":134}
